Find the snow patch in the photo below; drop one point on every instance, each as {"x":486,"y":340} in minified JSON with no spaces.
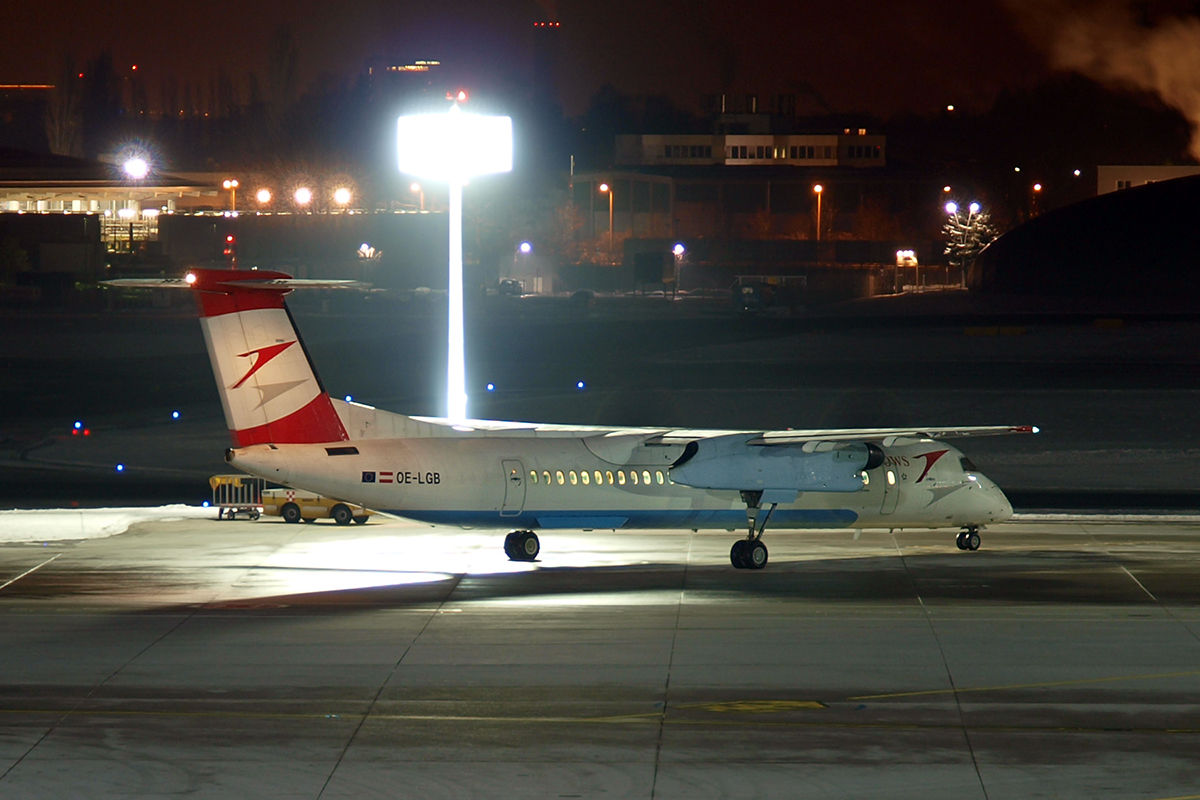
{"x":59,"y":524}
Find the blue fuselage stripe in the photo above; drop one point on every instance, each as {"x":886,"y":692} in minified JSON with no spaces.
{"x":656,"y":518}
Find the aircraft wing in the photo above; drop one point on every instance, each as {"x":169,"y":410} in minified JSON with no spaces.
{"x":850,"y":434}
{"x":268,"y":283}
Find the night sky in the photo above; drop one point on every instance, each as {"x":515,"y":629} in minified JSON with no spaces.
{"x":858,"y":55}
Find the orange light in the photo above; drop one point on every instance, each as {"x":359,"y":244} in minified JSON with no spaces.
{"x":818,"y":188}
{"x":604,"y":187}
{"x":135,"y":67}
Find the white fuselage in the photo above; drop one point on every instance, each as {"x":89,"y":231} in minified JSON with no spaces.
{"x":479,"y":481}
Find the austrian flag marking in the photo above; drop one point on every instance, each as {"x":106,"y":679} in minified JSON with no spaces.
{"x":385,"y":477}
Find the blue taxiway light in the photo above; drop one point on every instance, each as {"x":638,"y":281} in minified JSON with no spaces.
{"x":579,"y":385}
{"x":174,"y":415}
{"x":491,"y":387}
{"x":120,"y":467}
{"x":78,"y":425}
{"x":349,"y":399}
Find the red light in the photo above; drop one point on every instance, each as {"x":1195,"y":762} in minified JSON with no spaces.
{"x":135,"y":67}
{"x":75,"y":431}
{"x":81,"y":74}
{"x":87,"y":432}
{"x":229,"y":238}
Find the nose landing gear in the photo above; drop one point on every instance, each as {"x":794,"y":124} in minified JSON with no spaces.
{"x":968,"y":538}
{"x":751,"y":553}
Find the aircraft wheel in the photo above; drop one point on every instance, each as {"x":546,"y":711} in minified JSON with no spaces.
{"x":341,"y":514}
{"x":525,"y":546}
{"x":509,"y":549}
{"x":360,"y":520}
{"x":972,"y":540}
{"x":737,"y":554}
{"x":755,"y":555}
{"x":290,"y":512}
{"x":960,"y":541}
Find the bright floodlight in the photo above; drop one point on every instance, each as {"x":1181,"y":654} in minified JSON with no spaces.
{"x":341,"y":196}
{"x":264,"y":195}
{"x":818,"y":188}
{"x":304,"y":195}
{"x":525,"y":247}
{"x":137,"y":168}
{"x":952,"y":208}
{"x":454,"y":147}
{"x":974,"y":208}
{"x":677,"y":249}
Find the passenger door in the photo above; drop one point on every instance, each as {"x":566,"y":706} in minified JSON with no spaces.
{"x":514,"y":488}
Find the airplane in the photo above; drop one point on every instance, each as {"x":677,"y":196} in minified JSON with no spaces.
{"x":530,"y":477}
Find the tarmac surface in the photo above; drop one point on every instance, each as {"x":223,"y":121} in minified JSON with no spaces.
{"x":258,"y":659}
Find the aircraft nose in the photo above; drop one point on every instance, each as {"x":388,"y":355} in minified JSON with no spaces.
{"x":994,"y":504}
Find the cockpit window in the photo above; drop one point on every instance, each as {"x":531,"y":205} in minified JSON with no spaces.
{"x":967,"y":465}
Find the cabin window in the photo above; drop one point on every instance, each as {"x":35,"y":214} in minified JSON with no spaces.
{"x":866,"y":479}
{"x":600,"y":478}
{"x":891,"y":478}
{"x":574,"y":478}
{"x":658,"y":477}
{"x":646,"y":477}
{"x":633,"y":477}
{"x":533,"y":476}
{"x":546,"y":476}
{"x":609,"y":476}
{"x":583,"y":476}
{"x":621,"y":477}
{"x":558,"y":476}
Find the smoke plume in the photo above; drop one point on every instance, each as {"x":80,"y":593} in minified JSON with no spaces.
{"x":1116,"y":43}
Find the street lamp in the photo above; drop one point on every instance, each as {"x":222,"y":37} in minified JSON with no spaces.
{"x":263,"y":196}
{"x":818,"y":189}
{"x":678,"y":250}
{"x":453,"y":147}
{"x":604,"y":187}
{"x":416,"y":189}
{"x":341,"y":196}
{"x":231,"y":187}
{"x":303,"y":196}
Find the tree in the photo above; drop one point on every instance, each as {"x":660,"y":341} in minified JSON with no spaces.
{"x":64,"y":112}
{"x":966,"y":234}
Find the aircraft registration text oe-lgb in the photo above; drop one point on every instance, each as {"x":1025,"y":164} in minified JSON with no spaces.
{"x":526,"y":477}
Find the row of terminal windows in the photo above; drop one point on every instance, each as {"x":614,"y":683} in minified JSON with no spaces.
{"x":865,"y":151}
{"x":687,"y":151}
{"x":766,"y":151}
{"x":610,"y":477}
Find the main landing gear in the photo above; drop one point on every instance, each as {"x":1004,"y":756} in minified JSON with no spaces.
{"x":751,"y":553}
{"x":522,"y":546}
{"x":968,"y":538}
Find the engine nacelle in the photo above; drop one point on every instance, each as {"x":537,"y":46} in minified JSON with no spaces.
{"x":728,"y":462}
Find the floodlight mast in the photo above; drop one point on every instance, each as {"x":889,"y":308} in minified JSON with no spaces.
{"x":453,"y":147}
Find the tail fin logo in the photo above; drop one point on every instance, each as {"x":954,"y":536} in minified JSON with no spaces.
{"x":264,"y":354}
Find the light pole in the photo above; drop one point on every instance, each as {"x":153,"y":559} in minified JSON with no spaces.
{"x":453,"y":147}
{"x":818,"y":189}
{"x":231,"y":187}
{"x":678,"y":250}
{"x":604,"y":187}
